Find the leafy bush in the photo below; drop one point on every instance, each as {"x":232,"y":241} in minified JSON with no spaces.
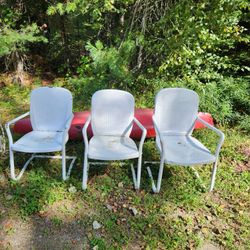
{"x":104,"y":68}
{"x":200,"y":45}
{"x":227,"y":99}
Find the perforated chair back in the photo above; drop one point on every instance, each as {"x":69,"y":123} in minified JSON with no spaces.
{"x":176,"y":110}
{"x":112,"y":112}
{"x":50,"y":108}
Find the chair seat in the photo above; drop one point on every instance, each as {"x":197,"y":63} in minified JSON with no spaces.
{"x":112,"y":148}
{"x":39,"y":142}
{"x":185,"y":150}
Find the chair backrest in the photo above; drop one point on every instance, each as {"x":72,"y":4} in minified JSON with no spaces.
{"x":50,"y":108}
{"x":112,"y":111}
{"x":176,"y":110}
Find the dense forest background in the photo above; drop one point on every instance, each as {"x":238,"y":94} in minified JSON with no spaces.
{"x":135,"y":45}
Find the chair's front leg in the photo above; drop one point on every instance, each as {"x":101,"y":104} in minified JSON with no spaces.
{"x":137,"y":177}
{"x":85,"y":172}
{"x":156,"y":188}
{"x":64,"y":177}
{"x":214,"y":170}
{"x":12,"y":166}
{"x":139,"y":172}
{"x":160,"y":175}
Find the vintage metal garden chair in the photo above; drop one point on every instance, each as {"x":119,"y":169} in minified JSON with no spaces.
{"x":51,"y":116}
{"x":174,"y":117}
{"x":112,"y":117}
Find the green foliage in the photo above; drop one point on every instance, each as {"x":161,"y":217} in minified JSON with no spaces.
{"x":244,"y":123}
{"x":227,"y":99}
{"x":16,"y":40}
{"x":104,"y":68}
{"x":112,"y":64}
{"x":198,"y":38}
{"x":142,"y":46}
{"x":203,"y":46}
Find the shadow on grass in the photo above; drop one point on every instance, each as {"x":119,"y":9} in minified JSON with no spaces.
{"x":22,"y":221}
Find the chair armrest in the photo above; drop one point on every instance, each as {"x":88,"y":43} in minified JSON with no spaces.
{"x":144,"y":133}
{"x":158,"y":132}
{"x":68,"y":123}
{"x":66,"y":128}
{"x":84,"y":134}
{"x":7,"y":126}
{"x":217,"y":131}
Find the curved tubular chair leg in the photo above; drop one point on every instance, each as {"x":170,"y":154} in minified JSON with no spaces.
{"x":73,"y":158}
{"x":139,"y":172}
{"x":213,"y":175}
{"x":12,"y":167}
{"x":156,"y":189}
{"x":137,"y":177}
{"x":85,"y":173}
{"x":64,"y":177}
{"x":198,"y":177}
{"x":63,"y":157}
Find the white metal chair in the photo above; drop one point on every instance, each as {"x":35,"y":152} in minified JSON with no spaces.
{"x":112,"y":117}
{"x":51,"y":116}
{"x":174,"y":117}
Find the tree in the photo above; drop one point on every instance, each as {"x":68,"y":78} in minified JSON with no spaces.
{"x":14,"y":41}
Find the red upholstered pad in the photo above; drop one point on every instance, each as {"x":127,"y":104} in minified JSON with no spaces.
{"x":75,"y":133}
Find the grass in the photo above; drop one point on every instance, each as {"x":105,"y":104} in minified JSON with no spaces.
{"x":181,"y":216}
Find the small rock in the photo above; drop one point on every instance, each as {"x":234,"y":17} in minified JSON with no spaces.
{"x":209,"y":246}
{"x":120,"y":185}
{"x":96,"y":225}
{"x":205,"y":231}
{"x":216,"y":230}
{"x":109,"y":207}
{"x":72,"y":189}
{"x":208,"y":217}
{"x":133,"y":210}
{"x":89,"y":235}
{"x":95,"y":247}
{"x":9,"y":197}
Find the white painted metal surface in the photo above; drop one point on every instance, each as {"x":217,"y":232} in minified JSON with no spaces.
{"x":112,"y":117}
{"x":51,"y":116}
{"x":175,"y":114}
{"x":50,"y":108}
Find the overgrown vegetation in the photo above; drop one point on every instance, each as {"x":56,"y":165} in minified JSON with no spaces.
{"x":140,"y":46}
